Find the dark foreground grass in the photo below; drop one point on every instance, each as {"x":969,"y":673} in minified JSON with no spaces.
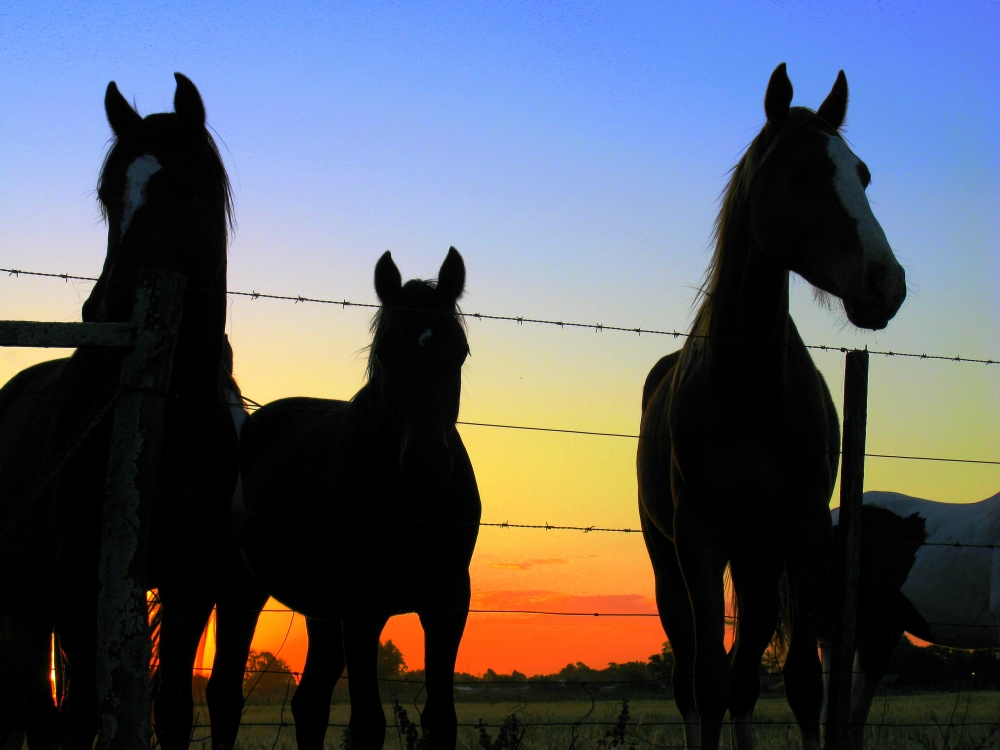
{"x":924,"y":721}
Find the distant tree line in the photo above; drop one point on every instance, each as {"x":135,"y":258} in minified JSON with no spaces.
{"x":269,"y":679}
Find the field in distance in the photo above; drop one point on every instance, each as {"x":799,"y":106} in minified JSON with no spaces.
{"x":931,"y":721}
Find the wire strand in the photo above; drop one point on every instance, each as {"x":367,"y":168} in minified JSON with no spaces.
{"x":521,"y":320}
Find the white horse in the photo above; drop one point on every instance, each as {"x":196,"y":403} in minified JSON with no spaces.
{"x":955,"y":582}
{"x":951,"y":596}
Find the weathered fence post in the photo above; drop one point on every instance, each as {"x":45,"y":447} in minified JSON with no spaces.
{"x":852,"y":479}
{"x":123,"y":646}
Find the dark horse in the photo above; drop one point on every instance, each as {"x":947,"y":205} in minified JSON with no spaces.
{"x":890,"y":543}
{"x":740,"y":439}
{"x":359,"y":510}
{"x":166,"y":197}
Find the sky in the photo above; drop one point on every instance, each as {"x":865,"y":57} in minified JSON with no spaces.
{"x":574,"y":153}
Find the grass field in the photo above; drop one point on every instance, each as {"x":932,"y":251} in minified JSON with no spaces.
{"x":938,"y":721}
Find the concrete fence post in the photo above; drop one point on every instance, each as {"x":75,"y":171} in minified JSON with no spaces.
{"x":123,"y":644}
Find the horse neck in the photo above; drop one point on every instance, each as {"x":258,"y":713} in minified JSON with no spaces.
{"x":370,"y":415}
{"x":748,"y":325}
{"x":198,"y":355}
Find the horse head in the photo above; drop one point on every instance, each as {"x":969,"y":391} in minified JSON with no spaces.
{"x":165,"y":195}
{"x":809,"y":211}
{"x":417,"y":352}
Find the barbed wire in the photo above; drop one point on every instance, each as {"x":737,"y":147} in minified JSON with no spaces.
{"x":586,"y":529}
{"x":729,"y":619}
{"x":610,"y":722}
{"x":542,"y":681}
{"x":521,"y":320}
{"x":252,"y":406}
{"x":409,"y":521}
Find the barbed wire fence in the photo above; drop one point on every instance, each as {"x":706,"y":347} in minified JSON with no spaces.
{"x":992,"y":728}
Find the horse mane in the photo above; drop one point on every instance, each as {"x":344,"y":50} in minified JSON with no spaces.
{"x":731,"y":221}
{"x":204,"y":157}
{"x":416,"y":295}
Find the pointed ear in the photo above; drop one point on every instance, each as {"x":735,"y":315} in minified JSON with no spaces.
{"x":778,"y":98}
{"x":388,"y":282}
{"x":187,"y":103}
{"x":451,"y":277}
{"x":834,"y":107}
{"x":124,"y":121}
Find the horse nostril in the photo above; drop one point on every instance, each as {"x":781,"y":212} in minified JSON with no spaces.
{"x":885,"y":287}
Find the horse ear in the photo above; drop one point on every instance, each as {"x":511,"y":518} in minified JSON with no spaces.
{"x":451,"y":277}
{"x":388,"y":282}
{"x":778,"y":98}
{"x":124,"y":121}
{"x":834,"y":107}
{"x":188,"y":104}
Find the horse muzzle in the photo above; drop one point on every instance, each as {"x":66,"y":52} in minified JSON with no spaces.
{"x":883,"y":295}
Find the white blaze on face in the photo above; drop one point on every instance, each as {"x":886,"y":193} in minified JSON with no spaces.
{"x":136,"y":179}
{"x":847,"y":184}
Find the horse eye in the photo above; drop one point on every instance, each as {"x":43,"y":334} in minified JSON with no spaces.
{"x":864,"y":175}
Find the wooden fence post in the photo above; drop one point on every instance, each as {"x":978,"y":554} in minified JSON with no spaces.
{"x":123,"y":646}
{"x":852,"y":479}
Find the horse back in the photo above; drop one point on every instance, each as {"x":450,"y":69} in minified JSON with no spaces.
{"x":652,"y":459}
{"x":43,"y":410}
{"x":284,"y":450}
{"x":658,"y":375}
{"x":282,"y":443}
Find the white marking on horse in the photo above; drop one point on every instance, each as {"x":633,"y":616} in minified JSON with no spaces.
{"x":424,"y":336}
{"x":847,"y":184}
{"x":136,"y":180}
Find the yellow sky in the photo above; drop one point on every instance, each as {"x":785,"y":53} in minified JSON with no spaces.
{"x":578,"y":380}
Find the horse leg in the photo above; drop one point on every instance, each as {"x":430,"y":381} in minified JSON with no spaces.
{"x":806,"y":569}
{"x":14,"y":677}
{"x":873,"y":656}
{"x":361,"y":639}
{"x":184,"y":618}
{"x":240,"y":602}
{"x":78,"y":639}
{"x":674,"y":607}
{"x":29,"y":710}
{"x":324,"y":665}
{"x":826,"y":662}
{"x":443,"y":630}
{"x":703,"y":567}
{"x":755,"y":582}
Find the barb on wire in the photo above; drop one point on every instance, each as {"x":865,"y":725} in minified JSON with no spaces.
{"x":521,"y":320}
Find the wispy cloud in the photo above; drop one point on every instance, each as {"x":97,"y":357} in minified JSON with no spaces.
{"x":528,"y":564}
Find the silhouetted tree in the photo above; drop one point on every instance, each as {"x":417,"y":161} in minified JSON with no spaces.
{"x":662,"y":664}
{"x":268,"y":679}
{"x":391,"y":663}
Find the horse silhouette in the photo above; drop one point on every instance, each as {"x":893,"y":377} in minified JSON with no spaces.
{"x":166,"y":198}
{"x":354,"y":511}
{"x":930,"y":573}
{"x":739,"y":439}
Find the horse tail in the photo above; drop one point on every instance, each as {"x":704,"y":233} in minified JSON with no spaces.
{"x":783,"y":632}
